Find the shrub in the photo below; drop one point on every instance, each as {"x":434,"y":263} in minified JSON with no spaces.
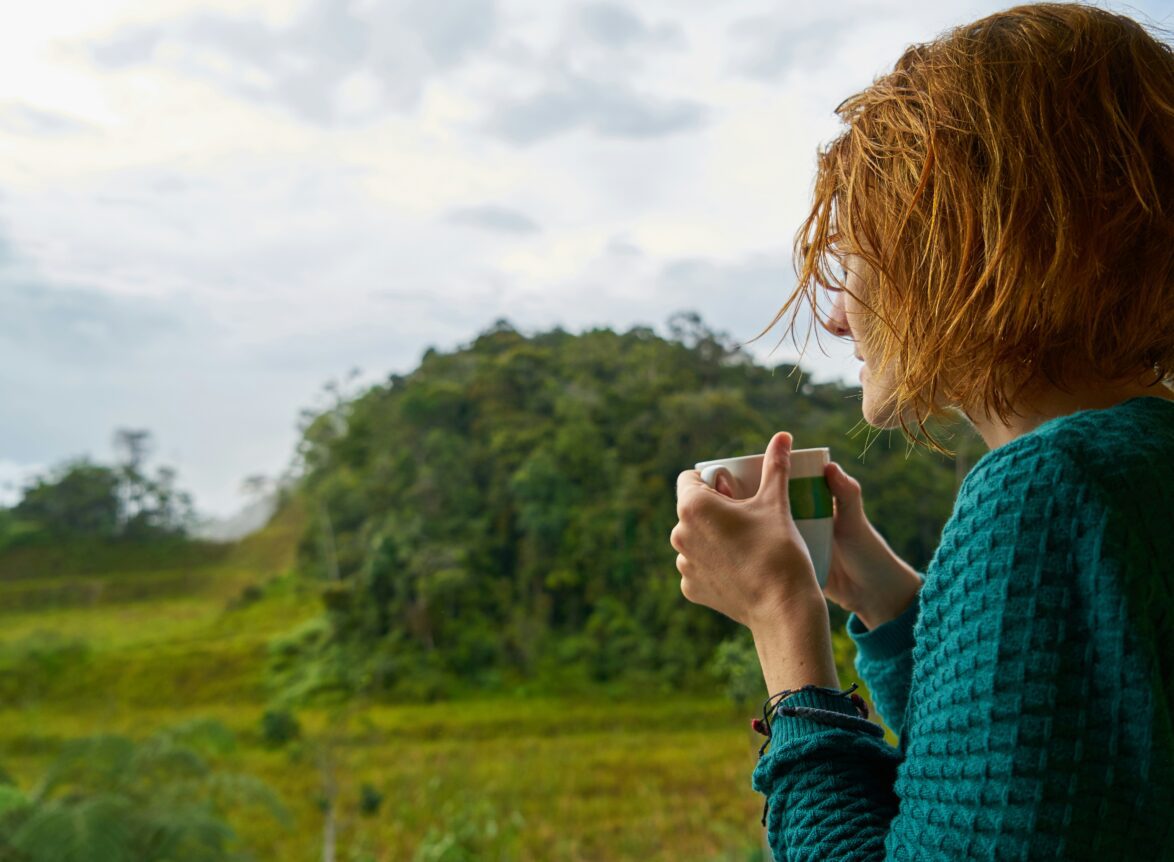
{"x":112,"y":798}
{"x":278,"y":727}
{"x":369,"y":800}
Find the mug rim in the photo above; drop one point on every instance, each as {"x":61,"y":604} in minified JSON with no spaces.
{"x":700,"y":465}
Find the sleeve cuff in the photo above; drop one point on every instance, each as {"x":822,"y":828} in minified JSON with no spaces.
{"x":785,"y":728}
{"x":888,"y":639}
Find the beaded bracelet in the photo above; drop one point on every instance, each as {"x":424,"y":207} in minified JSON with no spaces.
{"x":762,"y":725}
{"x":835,"y":719}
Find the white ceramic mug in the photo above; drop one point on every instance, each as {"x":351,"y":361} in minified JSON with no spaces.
{"x":811,"y":499}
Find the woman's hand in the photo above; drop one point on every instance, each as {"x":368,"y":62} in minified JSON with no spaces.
{"x":865,"y":576}
{"x":744,"y":558}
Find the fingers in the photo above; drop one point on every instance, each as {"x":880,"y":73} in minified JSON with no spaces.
{"x":693,"y":494}
{"x":688,"y":482}
{"x":686,"y":584}
{"x":776,"y":470}
{"x":844,"y":488}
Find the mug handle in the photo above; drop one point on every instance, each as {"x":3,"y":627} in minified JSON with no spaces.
{"x":709,"y":475}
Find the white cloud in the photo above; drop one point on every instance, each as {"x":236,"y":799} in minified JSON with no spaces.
{"x":494,"y":218}
{"x":22,"y":119}
{"x":605,"y":108}
{"x":617,"y":27}
{"x":213,"y":207}
{"x":337,"y":61}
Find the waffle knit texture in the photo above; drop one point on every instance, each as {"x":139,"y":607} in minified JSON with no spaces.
{"x":1029,"y":683}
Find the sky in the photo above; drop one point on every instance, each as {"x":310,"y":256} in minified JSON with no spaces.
{"x":209,"y":210}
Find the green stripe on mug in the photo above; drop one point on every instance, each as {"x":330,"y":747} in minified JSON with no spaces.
{"x":810,"y":497}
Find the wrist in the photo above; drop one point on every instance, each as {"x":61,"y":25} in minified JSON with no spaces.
{"x":804,"y":610}
{"x":890,"y":602}
{"x":794,"y":645}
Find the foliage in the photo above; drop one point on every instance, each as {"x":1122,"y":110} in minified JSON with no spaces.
{"x":370,"y":799}
{"x":16,"y":531}
{"x":83,"y":499}
{"x":512,"y":501}
{"x":79,"y":497}
{"x":279,"y":726}
{"x":109,"y":797}
{"x":735,"y":662}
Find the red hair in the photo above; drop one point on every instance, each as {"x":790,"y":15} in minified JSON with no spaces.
{"x":1010,"y":187}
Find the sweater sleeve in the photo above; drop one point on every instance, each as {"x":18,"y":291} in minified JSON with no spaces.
{"x":1004,"y":755}
{"x":884,"y":660}
{"x":830,"y":790}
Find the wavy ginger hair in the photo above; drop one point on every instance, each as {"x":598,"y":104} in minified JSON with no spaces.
{"x":1010,"y":187}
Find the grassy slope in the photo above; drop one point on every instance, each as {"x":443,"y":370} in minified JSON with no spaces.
{"x":570,"y":780}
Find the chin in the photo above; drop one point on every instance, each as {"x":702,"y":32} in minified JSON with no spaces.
{"x":879,"y":413}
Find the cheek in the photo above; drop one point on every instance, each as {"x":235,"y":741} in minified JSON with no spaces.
{"x":876,"y":379}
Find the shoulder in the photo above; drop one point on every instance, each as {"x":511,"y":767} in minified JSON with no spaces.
{"x":1018,"y":487}
{"x":1021,"y":508}
{"x":1047,"y":497}
{"x":1061,"y":540}
{"x":1075,"y":458}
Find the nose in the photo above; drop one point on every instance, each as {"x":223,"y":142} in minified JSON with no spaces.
{"x":837,"y":322}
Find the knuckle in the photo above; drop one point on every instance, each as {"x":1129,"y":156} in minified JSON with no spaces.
{"x":850,"y":483}
{"x":690,"y":507}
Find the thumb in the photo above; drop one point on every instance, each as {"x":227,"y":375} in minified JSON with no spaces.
{"x":844,"y":488}
{"x":776,"y":471}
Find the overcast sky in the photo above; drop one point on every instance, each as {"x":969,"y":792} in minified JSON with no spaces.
{"x":209,"y":209}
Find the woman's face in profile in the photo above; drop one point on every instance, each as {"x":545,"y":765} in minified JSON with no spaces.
{"x":848,"y":319}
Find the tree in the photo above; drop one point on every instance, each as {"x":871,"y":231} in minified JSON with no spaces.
{"x":79,"y":498}
{"x":136,"y":446}
{"x":82,"y":499}
{"x":257,"y":486}
{"x":151,"y":506}
{"x":160,"y":508}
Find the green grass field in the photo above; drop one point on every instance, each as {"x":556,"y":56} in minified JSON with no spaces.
{"x":594,"y":777}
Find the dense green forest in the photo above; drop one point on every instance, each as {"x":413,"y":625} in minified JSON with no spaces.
{"x":502,"y":513}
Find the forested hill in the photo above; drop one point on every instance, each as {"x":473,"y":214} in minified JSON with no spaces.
{"x":504,"y":510}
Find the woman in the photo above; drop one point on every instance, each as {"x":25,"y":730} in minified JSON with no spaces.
{"x":996,"y":224}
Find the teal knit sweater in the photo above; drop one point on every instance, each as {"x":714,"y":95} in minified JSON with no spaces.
{"x":1030,"y":681}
